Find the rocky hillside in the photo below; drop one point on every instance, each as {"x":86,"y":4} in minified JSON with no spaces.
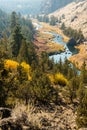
{"x":49,"y":6}
{"x":74,"y":15}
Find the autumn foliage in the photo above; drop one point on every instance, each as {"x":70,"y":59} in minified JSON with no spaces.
{"x":27,"y":69}
{"x":58,"y":78}
{"x":12,"y":65}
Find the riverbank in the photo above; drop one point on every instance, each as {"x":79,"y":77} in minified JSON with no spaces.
{"x":44,"y":39}
{"x":49,"y":28}
{"x":52,"y":40}
{"x":79,"y":58}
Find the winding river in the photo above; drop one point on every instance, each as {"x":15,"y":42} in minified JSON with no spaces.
{"x":69,"y":51}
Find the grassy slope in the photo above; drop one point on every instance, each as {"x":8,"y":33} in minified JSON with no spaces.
{"x":79,"y":58}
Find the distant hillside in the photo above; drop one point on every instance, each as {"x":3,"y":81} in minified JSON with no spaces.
{"x":22,"y":6}
{"x":3,"y":21}
{"x":49,"y":6}
{"x":74,"y":15}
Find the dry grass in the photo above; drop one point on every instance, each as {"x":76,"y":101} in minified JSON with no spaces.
{"x":35,"y":117}
{"x":29,"y":111}
{"x":47,"y":27}
{"x":42,"y":118}
{"x":44,"y":41}
{"x":45,"y":35}
{"x":79,"y":58}
{"x":54,"y":47}
{"x":48,"y":46}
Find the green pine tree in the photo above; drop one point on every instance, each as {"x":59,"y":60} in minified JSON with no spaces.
{"x":82,"y":108}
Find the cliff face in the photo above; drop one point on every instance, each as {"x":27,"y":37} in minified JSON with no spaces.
{"x":49,"y":6}
{"x":74,"y":15}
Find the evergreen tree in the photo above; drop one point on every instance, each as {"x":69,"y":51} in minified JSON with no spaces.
{"x":73,"y":34}
{"x":43,"y":92}
{"x":53,"y":20}
{"x":83,"y":75}
{"x":63,"y":26}
{"x":23,"y":54}
{"x":16,"y":40}
{"x":22,"y":76}
{"x":45,"y":19}
{"x":24,"y":92}
{"x":82,"y":108}
{"x":71,"y":89}
{"x":65,"y":66}
{"x":8,"y":86}
{"x":13,"y":20}
{"x":32,"y":53}
{"x":60,"y":65}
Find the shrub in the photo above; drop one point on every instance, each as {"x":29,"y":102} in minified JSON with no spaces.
{"x":58,"y":78}
{"x":27,"y":69}
{"x":10,"y":64}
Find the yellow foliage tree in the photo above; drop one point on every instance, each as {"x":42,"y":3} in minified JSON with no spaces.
{"x":58,"y":78}
{"x":10,"y":64}
{"x":27,"y":69}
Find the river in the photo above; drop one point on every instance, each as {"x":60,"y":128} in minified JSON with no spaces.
{"x":69,"y":51}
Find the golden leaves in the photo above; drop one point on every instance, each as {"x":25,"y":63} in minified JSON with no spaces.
{"x":58,"y":78}
{"x":12,"y":65}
